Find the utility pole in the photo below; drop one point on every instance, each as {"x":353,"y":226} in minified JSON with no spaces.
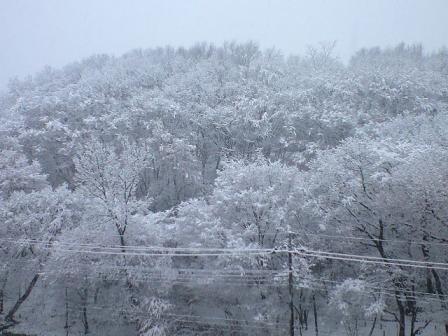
{"x":290,"y":286}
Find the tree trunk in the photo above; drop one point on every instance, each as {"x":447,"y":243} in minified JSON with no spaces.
{"x":122,"y":244}
{"x":1,"y":301}
{"x":438,"y":282}
{"x":412,"y":307}
{"x":84,"y":320}
{"x":413,"y":320}
{"x":429,"y":285}
{"x":66,"y":326}
{"x":402,"y":316}
{"x":305,"y":318}
{"x":2,"y":293}
{"x":84,"y":311}
{"x":21,"y":300}
{"x":380,"y":247}
{"x":438,"y":285}
{"x":373,"y":326}
{"x":315,"y":315}
{"x":6,"y":326}
{"x":121,"y":233}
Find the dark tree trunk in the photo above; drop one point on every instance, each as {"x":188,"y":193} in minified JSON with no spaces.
{"x":437,"y":282}
{"x":412,"y":307}
{"x":439,"y":290}
{"x":402,"y":315}
{"x":2,"y":293}
{"x":84,"y":320}
{"x":401,"y":308}
{"x":10,"y":316}
{"x":373,"y":326}
{"x":122,"y":244}
{"x":6,"y":326}
{"x":413,"y":320}
{"x":429,"y":285}
{"x":316,"y":328}
{"x":1,"y":301}
{"x":66,"y":326}
{"x":305,"y":319}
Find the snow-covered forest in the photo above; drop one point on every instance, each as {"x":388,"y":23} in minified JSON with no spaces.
{"x":227,"y":190}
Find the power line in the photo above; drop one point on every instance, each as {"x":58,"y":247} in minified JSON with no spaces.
{"x":168,"y":252}
{"x":378,"y":262}
{"x":379,"y":258}
{"x":318,"y":254}
{"x":260,"y":282}
{"x":268,"y":323}
{"x":393,"y":241}
{"x":131,"y":247}
{"x":322,"y":235}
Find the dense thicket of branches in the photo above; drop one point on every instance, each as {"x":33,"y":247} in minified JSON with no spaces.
{"x":111,"y":166}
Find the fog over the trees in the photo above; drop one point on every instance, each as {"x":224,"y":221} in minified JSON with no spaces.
{"x":229,"y":188}
{"x":36,"y":33}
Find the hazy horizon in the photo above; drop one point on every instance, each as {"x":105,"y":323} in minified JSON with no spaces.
{"x":53,"y":33}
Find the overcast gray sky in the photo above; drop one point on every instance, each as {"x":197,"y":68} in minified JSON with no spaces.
{"x":35,"y":33}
